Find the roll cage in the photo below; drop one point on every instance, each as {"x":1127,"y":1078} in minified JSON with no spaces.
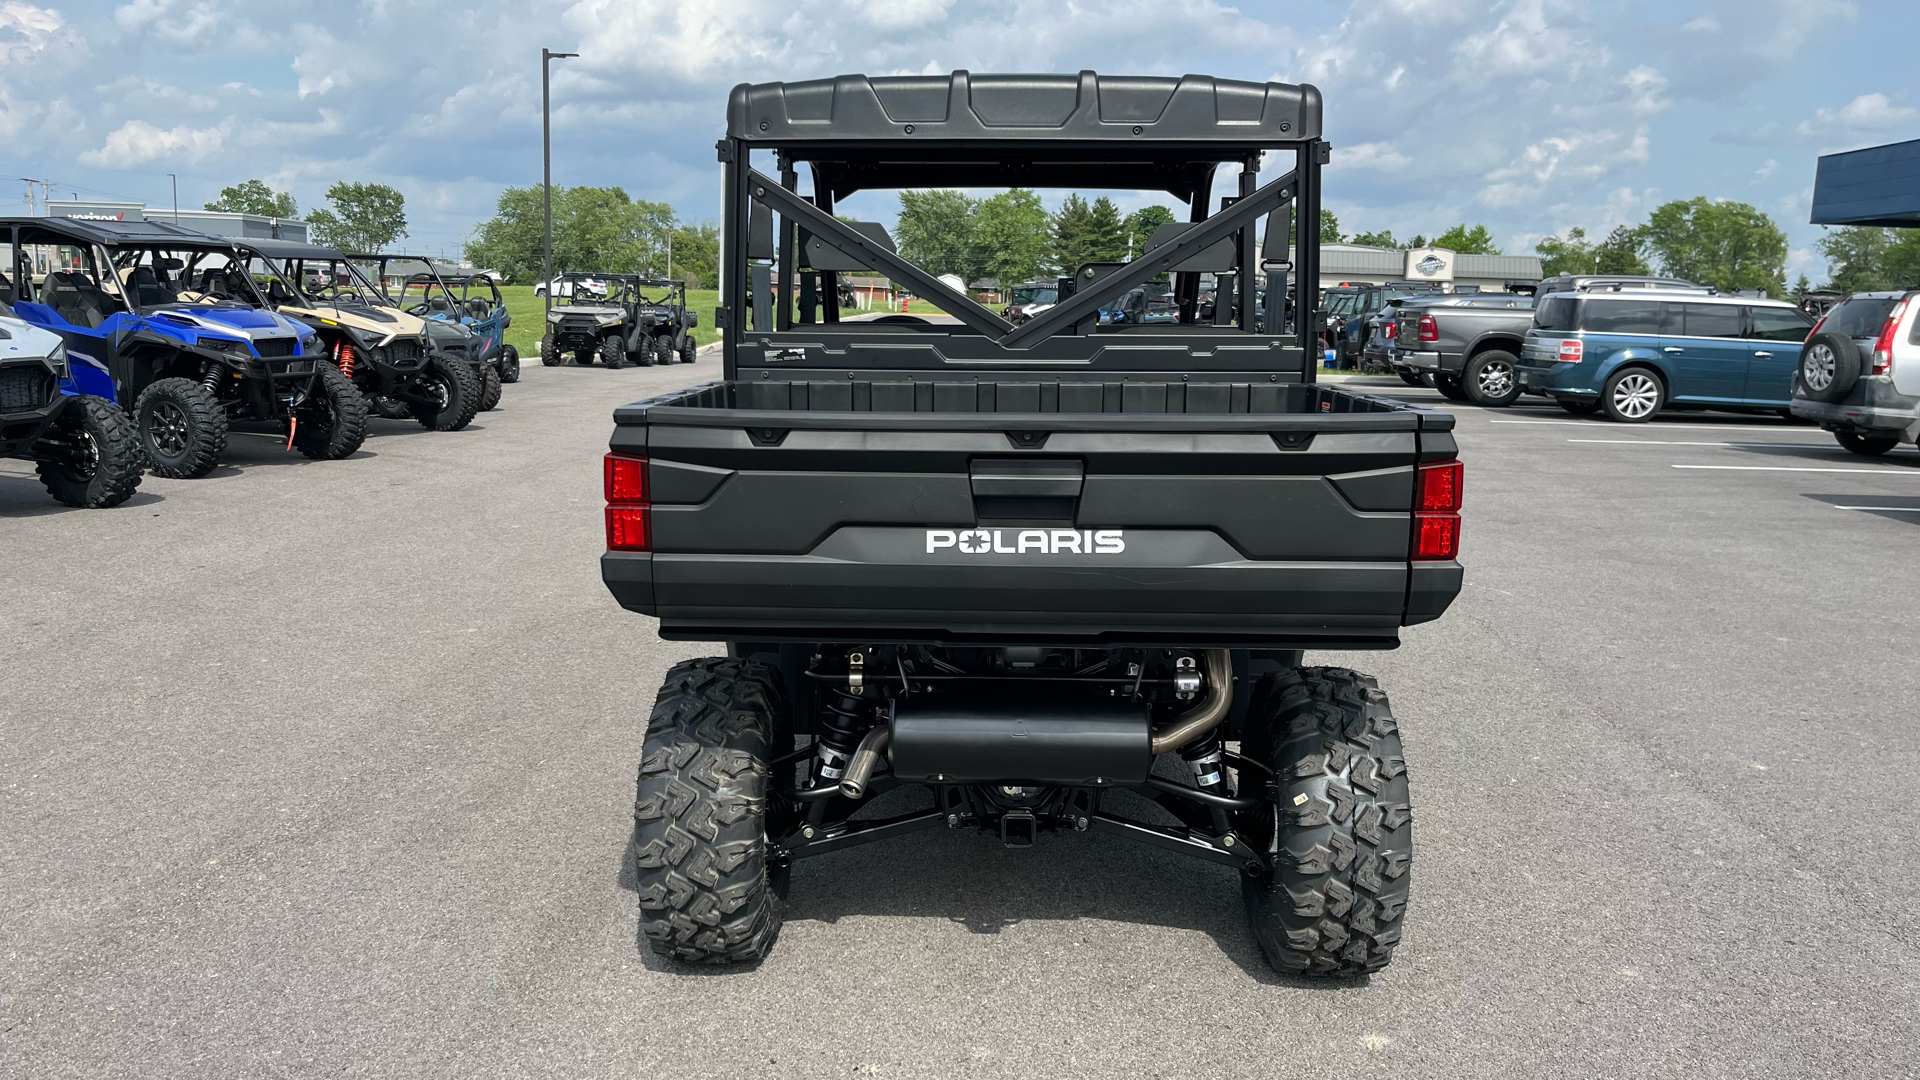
{"x":782,"y":249}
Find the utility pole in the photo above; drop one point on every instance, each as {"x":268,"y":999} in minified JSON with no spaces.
{"x":547,"y":56}
{"x":176,"y":197}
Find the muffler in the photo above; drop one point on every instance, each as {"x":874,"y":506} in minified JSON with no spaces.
{"x":1043,"y":737}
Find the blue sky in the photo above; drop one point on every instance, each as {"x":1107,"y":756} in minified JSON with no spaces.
{"x":1528,"y":115}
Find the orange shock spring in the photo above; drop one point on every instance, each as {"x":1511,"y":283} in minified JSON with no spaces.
{"x":343,"y":357}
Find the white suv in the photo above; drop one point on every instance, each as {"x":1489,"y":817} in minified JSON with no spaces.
{"x":1859,"y":372}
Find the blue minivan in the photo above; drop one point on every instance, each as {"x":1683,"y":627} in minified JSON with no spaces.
{"x":1628,"y":354}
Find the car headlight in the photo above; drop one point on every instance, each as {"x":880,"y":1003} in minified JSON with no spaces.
{"x":309,"y":344}
{"x":553,"y":316}
{"x":224,"y":345}
{"x":608,"y":320}
{"x":58,"y":360}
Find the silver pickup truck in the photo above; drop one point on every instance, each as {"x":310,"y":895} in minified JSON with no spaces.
{"x":1469,"y":345}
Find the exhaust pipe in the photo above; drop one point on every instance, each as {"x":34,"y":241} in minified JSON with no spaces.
{"x":1205,"y":716}
{"x":866,"y":758}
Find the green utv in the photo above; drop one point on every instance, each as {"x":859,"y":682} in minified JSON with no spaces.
{"x":619,"y":319}
{"x":1055,"y":581}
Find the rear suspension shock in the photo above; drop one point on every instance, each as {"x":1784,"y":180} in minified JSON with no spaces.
{"x":343,"y":357}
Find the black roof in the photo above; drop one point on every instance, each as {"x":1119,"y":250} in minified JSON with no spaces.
{"x":1876,"y":186}
{"x":1057,"y":108}
{"x":114,"y":233}
{"x":290,"y":249}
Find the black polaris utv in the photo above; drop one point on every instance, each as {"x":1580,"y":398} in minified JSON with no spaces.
{"x":607,"y":318}
{"x":661,"y":313}
{"x":168,"y":323}
{"x":83,"y":447}
{"x":1058,"y":577}
{"x":413,"y":284}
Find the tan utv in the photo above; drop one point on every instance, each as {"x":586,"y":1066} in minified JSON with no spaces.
{"x":385,"y":351}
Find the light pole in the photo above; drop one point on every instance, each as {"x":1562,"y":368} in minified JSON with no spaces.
{"x":176,"y":197}
{"x":547,"y":56}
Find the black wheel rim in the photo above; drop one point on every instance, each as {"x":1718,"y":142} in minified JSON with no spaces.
{"x":168,"y":429}
{"x":84,"y":463}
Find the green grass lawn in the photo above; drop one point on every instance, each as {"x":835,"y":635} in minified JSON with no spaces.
{"x":528,"y":316}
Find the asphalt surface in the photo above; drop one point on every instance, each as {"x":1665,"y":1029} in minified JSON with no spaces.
{"x":326,"y":769}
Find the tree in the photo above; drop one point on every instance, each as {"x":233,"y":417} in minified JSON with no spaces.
{"x":364,"y":217}
{"x":1622,"y":252}
{"x":1418,"y":241}
{"x":935,"y":232}
{"x":1801,"y":287}
{"x":1570,"y":254}
{"x":1010,"y":235}
{"x":1070,"y":234}
{"x":593,"y":229}
{"x":255,"y":197}
{"x":1728,"y":245}
{"x":1465,"y":241}
{"x":1383,"y":238}
{"x":696,"y":254}
{"x":1106,"y":232}
{"x":1140,"y":224}
{"x":1329,"y":227}
{"x":1857,"y":257}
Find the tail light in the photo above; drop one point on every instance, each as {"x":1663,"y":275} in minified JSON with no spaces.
{"x":1883,"y":345}
{"x":1436,"y":511}
{"x":1386,"y":330}
{"x":1816,"y":328}
{"x":1429,"y":330}
{"x":629,"y":520}
{"x":1571,"y":350}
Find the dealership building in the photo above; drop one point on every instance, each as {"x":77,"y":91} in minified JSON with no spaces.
{"x":1355,"y":264}
{"x":217,"y":222}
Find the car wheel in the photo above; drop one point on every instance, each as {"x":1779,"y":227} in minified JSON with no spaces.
{"x":1632,"y":396}
{"x":1580,"y":406}
{"x":181,"y":428}
{"x":688,"y":350}
{"x":1829,"y":366}
{"x":1449,"y":386}
{"x":549,"y":352}
{"x":1866,"y":445}
{"x":510,"y":364}
{"x":1412,"y":378}
{"x":1489,"y":379}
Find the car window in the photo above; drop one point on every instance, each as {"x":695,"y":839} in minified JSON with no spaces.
{"x":1554,"y":314}
{"x":1779,"y":324}
{"x":1623,"y":317}
{"x":1859,"y":317}
{"x":1711,"y":320}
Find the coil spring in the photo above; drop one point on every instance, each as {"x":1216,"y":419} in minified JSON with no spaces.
{"x":210,"y":380}
{"x":846,"y":718}
{"x":343,"y":357}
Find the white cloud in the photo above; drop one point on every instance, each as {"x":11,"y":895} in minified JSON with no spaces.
{"x":1373,"y":155}
{"x":1868,"y":112}
{"x":137,"y":141}
{"x":1705,"y":24}
{"x":1765,"y":172}
{"x":1561,"y":160}
{"x":1644,"y":88}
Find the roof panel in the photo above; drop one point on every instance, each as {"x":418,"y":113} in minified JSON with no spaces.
{"x":1086,"y":107}
{"x":1876,"y":186}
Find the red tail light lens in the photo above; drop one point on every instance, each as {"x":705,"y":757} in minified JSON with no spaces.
{"x":1440,"y":486}
{"x":627,"y":529}
{"x":1816,"y":328}
{"x":1571,"y":350}
{"x":1883,"y":345}
{"x":1429,"y":330}
{"x":1436,"y":536}
{"x":1436,"y":517}
{"x":1386,"y":329}
{"x":626,"y":478}
{"x":629,"y":520}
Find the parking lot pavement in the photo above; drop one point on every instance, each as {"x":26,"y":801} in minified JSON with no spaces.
{"x":326,"y":768}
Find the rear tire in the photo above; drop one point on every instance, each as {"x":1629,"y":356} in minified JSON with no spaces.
{"x":583,"y":357}
{"x":182,"y":428}
{"x":388,"y":408}
{"x":1490,"y":381}
{"x":662,"y":347}
{"x":332,"y":423}
{"x":700,"y":817}
{"x":509,"y":364}
{"x":1866,"y":445}
{"x":1339,"y":833}
{"x":489,"y":388}
{"x":689,"y":351}
{"x":1449,"y":386}
{"x":97,"y":460}
{"x":1632,"y":396}
{"x":1578,"y":407}
{"x":456,"y":392}
{"x":1411,"y":379}
{"x":549,"y":352}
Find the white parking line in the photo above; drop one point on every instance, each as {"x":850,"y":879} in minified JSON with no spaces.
{"x":1793,"y":468}
{"x":1664,"y":442}
{"x":1603,"y":425}
{"x":1893,"y":509}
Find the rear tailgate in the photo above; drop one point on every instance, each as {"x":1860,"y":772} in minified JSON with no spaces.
{"x":1280,"y":529}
